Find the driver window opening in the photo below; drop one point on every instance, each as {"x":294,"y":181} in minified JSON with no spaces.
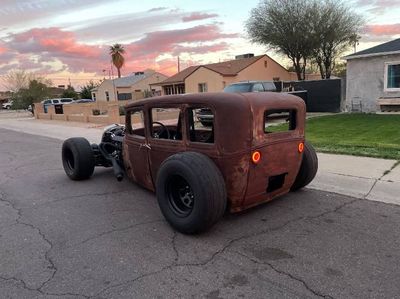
{"x":166,"y":123}
{"x":137,"y":123}
{"x":201,"y":125}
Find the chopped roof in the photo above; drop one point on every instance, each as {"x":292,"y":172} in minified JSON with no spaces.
{"x":386,"y":48}
{"x":226,"y":68}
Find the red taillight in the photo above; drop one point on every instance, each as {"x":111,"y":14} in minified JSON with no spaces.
{"x":301,"y":147}
{"x":256,"y":157}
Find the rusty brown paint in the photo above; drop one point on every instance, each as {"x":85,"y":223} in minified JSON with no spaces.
{"x":238,"y":129}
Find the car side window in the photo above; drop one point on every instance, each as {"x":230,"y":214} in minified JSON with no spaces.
{"x":279,"y":120}
{"x":55,"y":102}
{"x":201,"y":125}
{"x":269,"y":86}
{"x":136,"y":123}
{"x":257,"y":87}
{"x":166,"y":123}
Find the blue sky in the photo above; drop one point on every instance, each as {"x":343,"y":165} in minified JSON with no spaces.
{"x":69,"y":39}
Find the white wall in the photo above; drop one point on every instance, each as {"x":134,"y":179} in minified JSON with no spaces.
{"x":365,"y":81}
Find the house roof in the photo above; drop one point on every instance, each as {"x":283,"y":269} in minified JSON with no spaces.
{"x":226,"y":68}
{"x":129,"y":80}
{"x":392,"y":47}
{"x":181,"y":76}
{"x":232,"y":67}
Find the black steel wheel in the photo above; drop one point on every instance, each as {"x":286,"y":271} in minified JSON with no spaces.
{"x":190,"y":192}
{"x":180,"y":196}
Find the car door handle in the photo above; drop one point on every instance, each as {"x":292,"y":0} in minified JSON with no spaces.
{"x":145,"y":145}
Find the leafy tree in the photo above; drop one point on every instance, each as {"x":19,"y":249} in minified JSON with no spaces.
{"x":283,"y":25}
{"x":16,"y":79}
{"x":335,"y":30}
{"x":340,"y":70}
{"x":305,"y":30}
{"x":86,"y":90}
{"x":35,"y":92}
{"x":70,"y":93}
{"x":117,"y":59}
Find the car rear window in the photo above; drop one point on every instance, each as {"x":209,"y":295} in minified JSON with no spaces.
{"x":245,"y":87}
{"x":279,"y":120}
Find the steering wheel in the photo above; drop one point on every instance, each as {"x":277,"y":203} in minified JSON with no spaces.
{"x":161,"y":131}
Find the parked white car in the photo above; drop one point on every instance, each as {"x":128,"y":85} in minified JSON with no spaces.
{"x":7,"y":105}
{"x":58,"y":101}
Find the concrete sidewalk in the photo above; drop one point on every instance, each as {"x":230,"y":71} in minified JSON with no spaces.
{"x":360,"y":177}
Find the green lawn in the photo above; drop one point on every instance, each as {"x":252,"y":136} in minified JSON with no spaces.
{"x":370,"y":135}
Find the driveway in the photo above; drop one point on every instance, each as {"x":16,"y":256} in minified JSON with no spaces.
{"x":104,"y":239}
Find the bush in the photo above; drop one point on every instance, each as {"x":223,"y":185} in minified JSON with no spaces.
{"x":96,"y":111}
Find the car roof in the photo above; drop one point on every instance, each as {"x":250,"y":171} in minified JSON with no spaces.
{"x":220,"y":100}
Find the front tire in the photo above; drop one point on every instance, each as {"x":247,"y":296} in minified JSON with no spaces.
{"x":190,"y":192}
{"x":308,"y":168}
{"x":78,"y":159}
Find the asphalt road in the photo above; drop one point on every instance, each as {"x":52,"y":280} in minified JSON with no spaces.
{"x":104,"y":239}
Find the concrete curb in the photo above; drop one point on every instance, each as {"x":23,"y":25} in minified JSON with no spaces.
{"x":360,"y":177}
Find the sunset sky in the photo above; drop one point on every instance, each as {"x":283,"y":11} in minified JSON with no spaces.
{"x":68,"y":40}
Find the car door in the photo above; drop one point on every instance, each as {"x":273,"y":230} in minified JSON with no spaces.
{"x":136,"y":148}
{"x":165,"y":135}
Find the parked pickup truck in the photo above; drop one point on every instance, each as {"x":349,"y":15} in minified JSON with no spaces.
{"x":205,"y":116}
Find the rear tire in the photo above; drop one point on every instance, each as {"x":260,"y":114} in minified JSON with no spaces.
{"x":308,"y":168}
{"x":78,"y":159}
{"x":190,"y":192}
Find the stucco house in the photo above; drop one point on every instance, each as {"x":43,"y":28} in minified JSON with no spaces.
{"x":214,"y":77}
{"x":131,"y":87}
{"x":373,"y":78}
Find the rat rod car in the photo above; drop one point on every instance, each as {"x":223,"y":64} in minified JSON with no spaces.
{"x":253,"y":151}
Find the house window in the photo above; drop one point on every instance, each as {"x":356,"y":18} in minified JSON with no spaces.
{"x":94,"y":96}
{"x":202,"y":87}
{"x":392,"y":76}
{"x":124,"y":96}
{"x":107,"y":96}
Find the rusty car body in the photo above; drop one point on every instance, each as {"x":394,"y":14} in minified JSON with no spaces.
{"x":248,"y":160}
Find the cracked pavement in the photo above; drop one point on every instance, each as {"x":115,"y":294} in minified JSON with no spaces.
{"x":104,"y":239}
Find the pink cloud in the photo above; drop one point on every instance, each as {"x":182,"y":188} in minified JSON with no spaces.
{"x":167,"y":41}
{"x":36,"y":47}
{"x":196,"y":16}
{"x":387,"y":29}
{"x":52,"y":40}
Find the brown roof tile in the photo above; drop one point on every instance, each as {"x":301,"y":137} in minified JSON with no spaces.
{"x":232,"y":67}
{"x":226,"y":68}
{"x":181,"y":76}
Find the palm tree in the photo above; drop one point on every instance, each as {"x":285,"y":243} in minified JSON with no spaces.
{"x":118,"y":60}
